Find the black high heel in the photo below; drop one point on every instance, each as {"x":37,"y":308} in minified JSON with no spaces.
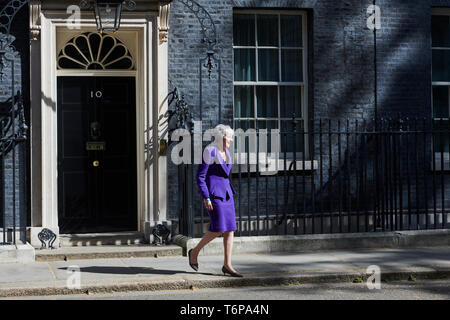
{"x":231,"y":273}
{"x":193,"y":265}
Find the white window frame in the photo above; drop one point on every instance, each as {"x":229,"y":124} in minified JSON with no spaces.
{"x":439,"y":156}
{"x":302,"y":84}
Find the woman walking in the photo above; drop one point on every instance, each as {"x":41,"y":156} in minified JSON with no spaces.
{"x":217,"y":193}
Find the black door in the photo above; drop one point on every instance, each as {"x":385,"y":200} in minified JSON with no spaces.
{"x":96,"y":154}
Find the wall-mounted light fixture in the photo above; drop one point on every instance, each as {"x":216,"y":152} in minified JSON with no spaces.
{"x":108,"y":13}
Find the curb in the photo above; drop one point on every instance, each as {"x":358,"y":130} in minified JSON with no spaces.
{"x":152,"y":285}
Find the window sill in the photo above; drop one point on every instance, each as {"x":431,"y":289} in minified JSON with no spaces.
{"x":270,"y":167}
{"x":441,"y":162}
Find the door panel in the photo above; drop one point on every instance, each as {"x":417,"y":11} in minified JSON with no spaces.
{"x":116,"y":193}
{"x":117,"y":129}
{"x":75,"y":124}
{"x":76,"y":197}
{"x":97,"y":154}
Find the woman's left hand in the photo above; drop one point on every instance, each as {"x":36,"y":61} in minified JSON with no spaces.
{"x":208,"y":204}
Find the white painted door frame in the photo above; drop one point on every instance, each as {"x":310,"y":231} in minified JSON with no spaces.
{"x":150,"y":56}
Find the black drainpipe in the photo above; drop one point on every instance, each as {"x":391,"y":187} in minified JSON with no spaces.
{"x":375,"y":71}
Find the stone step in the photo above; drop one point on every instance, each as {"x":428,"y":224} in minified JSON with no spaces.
{"x":18,"y":253}
{"x":101,"y":239}
{"x":107,"y":252}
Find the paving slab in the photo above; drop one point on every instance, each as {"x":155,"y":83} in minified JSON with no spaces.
{"x":395,"y":257}
{"x":92,"y":269}
{"x":306,"y":261}
{"x":25,"y":272}
{"x":160,"y":266}
{"x":171,"y":273}
{"x":244,"y":263}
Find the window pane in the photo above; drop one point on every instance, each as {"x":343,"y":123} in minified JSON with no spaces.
{"x":290,"y":101}
{"x":244,"y":64}
{"x":441,"y":65}
{"x":267,"y":30}
{"x":244,"y":30}
{"x":441,"y":136}
{"x":440,"y":102}
{"x":291,"y":65}
{"x":289,"y":139}
{"x":440,"y":31}
{"x":291,"y":31}
{"x":243,"y":102}
{"x":268,"y":65}
{"x":269,"y":125}
{"x":244,"y":125}
{"x":267,"y":101}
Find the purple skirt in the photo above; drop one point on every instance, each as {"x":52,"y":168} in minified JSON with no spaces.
{"x":223,"y":216}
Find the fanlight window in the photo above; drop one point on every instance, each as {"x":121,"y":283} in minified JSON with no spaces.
{"x":95,"y":51}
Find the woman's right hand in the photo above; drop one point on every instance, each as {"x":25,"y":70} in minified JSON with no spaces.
{"x":208,"y":204}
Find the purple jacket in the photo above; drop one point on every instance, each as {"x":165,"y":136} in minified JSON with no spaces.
{"x":212,"y":175}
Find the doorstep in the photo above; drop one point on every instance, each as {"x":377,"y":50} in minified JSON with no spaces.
{"x":107,"y":252}
{"x":101,"y":238}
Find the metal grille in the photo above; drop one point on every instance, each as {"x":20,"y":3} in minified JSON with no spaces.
{"x":339,"y":176}
{"x":13,"y":131}
{"x":12,"y":134}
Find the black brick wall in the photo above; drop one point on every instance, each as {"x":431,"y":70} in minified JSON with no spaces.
{"x":20,"y":31}
{"x":341,"y":60}
{"x":341,"y":69}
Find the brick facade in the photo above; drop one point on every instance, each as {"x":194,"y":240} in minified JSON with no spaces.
{"x":341,"y":68}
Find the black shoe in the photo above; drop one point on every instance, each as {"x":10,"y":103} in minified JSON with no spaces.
{"x":231,"y":273}
{"x":193,"y":265}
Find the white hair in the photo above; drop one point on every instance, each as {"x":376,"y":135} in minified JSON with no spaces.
{"x":224,"y":130}
{"x":220,"y":131}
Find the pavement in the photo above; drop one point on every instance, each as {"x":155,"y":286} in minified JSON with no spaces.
{"x":127,"y":274}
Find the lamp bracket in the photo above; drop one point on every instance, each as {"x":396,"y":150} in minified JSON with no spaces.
{"x":130,"y":5}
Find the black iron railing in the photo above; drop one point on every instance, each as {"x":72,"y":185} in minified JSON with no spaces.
{"x":13,"y":132}
{"x":335,"y":176}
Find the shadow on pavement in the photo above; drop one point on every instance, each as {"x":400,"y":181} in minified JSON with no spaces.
{"x":132,"y":270}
